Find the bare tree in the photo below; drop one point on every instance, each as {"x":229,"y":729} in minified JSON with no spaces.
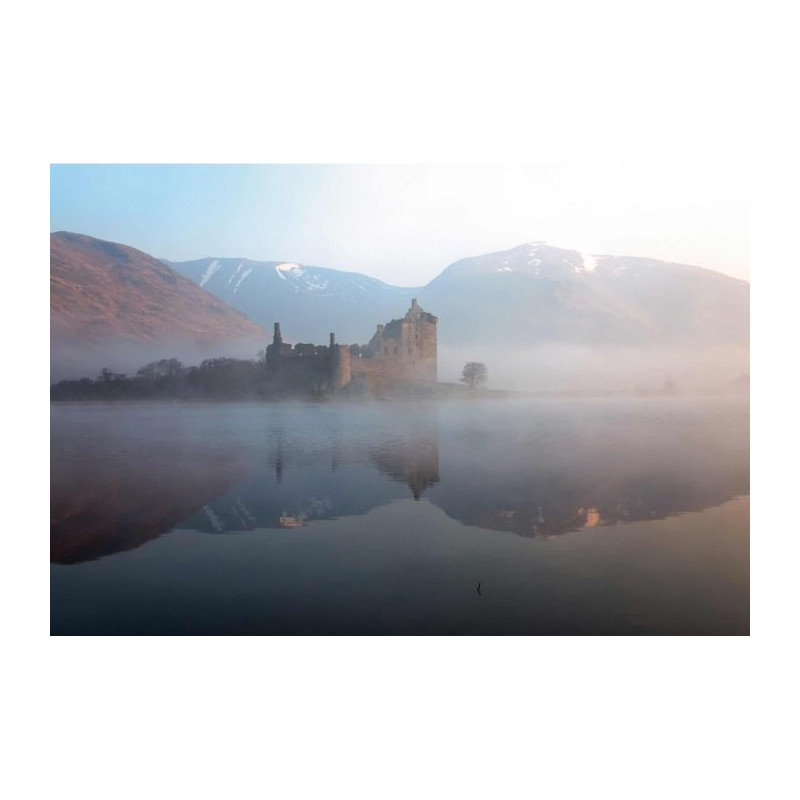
{"x":165,"y":368}
{"x":109,"y":376}
{"x":475,"y":374}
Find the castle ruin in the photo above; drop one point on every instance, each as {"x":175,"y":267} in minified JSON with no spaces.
{"x":400,"y":355}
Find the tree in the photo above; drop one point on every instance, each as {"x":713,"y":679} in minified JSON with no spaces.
{"x":166,"y":368}
{"x":109,"y":376}
{"x":474,"y":374}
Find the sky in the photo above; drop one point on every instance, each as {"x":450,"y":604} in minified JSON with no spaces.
{"x":404,"y":224}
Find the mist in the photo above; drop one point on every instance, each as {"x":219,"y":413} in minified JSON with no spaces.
{"x":600,"y":368}
{"x":72,"y":358}
{"x":544,"y":368}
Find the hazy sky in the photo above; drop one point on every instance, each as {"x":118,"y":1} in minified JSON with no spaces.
{"x":404,"y":224}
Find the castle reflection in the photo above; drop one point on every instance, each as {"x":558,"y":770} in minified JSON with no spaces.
{"x":413,"y":460}
{"x":520,"y":479}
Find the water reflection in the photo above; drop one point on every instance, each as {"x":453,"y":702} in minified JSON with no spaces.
{"x":119,"y":481}
{"x":413,"y":460}
{"x":105,"y":505}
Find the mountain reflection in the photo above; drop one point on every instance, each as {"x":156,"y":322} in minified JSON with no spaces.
{"x":106,"y":506}
{"x":593,"y":472}
{"x":534,"y":478}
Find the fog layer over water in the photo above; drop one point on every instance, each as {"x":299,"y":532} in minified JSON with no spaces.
{"x":609,"y":368}
{"x":601,"y":516}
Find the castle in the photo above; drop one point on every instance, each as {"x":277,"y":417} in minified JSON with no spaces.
{"x":401,"y":355}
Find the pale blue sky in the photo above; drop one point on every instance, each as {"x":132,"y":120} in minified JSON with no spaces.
{"x":404,"y":224}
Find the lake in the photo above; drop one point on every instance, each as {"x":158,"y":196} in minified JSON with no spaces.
{"x":524,"y":517}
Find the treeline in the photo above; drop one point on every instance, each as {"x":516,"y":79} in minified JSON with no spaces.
{"x":214,"y":378}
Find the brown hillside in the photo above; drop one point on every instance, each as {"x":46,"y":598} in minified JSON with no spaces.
{"x":102,"y":291}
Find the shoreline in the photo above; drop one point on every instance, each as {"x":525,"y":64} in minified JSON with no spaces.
{"x":444,"y":393}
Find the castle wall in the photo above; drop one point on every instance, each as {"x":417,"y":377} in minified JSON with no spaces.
{"x":304,"y":374}
{"x":401,"y":352}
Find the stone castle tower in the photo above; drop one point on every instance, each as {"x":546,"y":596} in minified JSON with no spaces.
{"x":402,"y":351}
{"x":405,"y":348}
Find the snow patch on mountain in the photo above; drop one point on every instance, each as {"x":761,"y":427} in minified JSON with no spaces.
{"x":238,"y":269}
{"x":314,"y":282}
{"x":242,"y":277}
{"x":301,"y":277}
{"x":207,"y":275}
{"x":282,"y":269}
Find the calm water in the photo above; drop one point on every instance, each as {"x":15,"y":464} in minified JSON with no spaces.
{"x":576,"y":517}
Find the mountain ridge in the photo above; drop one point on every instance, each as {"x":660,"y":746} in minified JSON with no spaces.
{"x":531,"y":293}
{"x":419,"y":287}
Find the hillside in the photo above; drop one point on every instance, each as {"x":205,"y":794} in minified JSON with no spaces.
{"x":112,"y":305}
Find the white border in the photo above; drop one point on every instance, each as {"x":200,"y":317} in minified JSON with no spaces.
{"x":371,"y":83}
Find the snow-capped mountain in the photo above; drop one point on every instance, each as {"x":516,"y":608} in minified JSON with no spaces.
{"x":309,"y":302}
{"x":531,"y":294}
{"x":537,"y":260}
{"x":538,"y":293}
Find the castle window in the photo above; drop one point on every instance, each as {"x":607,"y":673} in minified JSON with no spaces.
{"x":395,"y":351}
{"x":386,"y":351}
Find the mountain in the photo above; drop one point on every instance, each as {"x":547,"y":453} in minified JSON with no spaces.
{"x":115,"y":306}
{"x":535,"y":293}
{"x":532,"y":294}
{"x":309,"y":302}
{"x":112,"y":305}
